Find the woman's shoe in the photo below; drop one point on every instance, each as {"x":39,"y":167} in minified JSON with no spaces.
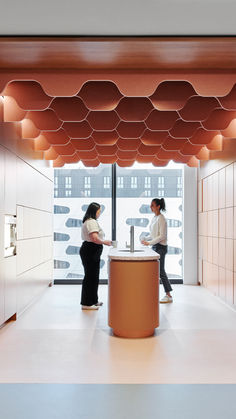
{"x":99,"y":304}
{"x":166,"y":299}
{"x":93,"y":307}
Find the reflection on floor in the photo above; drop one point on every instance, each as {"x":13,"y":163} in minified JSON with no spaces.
{"x":54,"y":341}
{"x":117,"y":401}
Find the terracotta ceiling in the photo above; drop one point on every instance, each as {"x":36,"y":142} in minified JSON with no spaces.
{"x":107,"y":100}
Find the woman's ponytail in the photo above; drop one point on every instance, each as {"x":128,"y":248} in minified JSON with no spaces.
{"x":162,"y":205}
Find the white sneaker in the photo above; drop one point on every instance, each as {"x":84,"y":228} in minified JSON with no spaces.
{"x":166,"y":299}
{"x":93,"y":307}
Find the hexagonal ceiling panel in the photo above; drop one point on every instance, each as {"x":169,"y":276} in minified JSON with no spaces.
{"x":179,"y":117}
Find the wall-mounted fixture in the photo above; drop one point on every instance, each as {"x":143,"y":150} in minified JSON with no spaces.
{"x":10,"y":236}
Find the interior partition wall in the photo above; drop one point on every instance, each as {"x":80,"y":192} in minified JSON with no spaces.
{"x":125,"y":195}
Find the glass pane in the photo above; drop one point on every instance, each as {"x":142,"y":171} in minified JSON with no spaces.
{"x":77,"y":187}
{"x":133,"y":207}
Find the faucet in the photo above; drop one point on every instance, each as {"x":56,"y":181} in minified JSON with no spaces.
{"x":131,"y":245}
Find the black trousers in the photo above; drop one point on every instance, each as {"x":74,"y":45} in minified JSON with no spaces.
{"x":162,"y":250}
{"x":90,"y":254}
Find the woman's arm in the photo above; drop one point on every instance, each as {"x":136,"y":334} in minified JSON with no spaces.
{"x":95,"y":239}
{"x":157,"y":235}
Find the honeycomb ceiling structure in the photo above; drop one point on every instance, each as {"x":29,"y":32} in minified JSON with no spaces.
{"x":104,"y":110}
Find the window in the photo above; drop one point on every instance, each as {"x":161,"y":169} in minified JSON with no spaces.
{"x":179,"y":192}
{"x":61,"y":264}
{"x":87,"y":182}
{"x":161,"y":181}
{"x":133,"y":181}
{"x":145,"y":209}
{"x":55,"y":193}
{"x":71,"y":275}
{"x":84,"y":185}
{"x":73,"y":222}
{"x":147,"y":182}
{"x":173,"y":223}
{"x":139,"y":222}
{"x":179,"y":181}
{"x":68,"y":181}
{"x":60,"y":209}
{"x":135,"y":188}
{"x":120,"y":182}
{"x":72,"y":250}
{"x":60,"y":237}
{"x":106,"y":182}
{"x":174,"y":250}
{"x":56,"y":182}
{"x":133,"y":204}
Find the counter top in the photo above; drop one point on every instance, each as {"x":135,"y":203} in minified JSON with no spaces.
{"x":140,"y":254}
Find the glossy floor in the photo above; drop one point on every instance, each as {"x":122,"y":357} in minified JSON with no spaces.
{"x":54,"y":341}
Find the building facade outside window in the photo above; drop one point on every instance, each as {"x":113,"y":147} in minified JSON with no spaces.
{"x":120,"y":182}
{"x":68,"y":181}
{"x":133,"y":182}
{"x":161,"y":181}
{"x":106,"y":182}
{"x":87,"y":182}
{"x":147,"y":182}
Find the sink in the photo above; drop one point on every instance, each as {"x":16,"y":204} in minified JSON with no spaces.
{"x":127,"y":250}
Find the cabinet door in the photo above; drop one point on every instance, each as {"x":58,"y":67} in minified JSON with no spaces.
{"x":10,"y":183}
{"x":1,"y":235}
{"x":10,"y":287}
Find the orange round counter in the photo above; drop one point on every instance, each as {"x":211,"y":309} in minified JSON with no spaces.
{"x":133,"y":297}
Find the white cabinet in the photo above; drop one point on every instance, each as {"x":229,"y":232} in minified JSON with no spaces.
{"x":23,"y":276}
{"x":10,"y":287}
{"x":1,"y":235}
{"x":10,"y":183}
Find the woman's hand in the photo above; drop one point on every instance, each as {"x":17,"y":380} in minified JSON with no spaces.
{"x":107,"y":242}
{"x":145,"y":242}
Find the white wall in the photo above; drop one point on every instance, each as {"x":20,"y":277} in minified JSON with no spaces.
{"x":190,"y":226}
{"x":1,"y":237}
{"x":110,"y":17}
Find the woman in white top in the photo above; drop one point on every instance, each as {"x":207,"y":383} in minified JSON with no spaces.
{"x":90,"y":253}
{"x":158,"y":240}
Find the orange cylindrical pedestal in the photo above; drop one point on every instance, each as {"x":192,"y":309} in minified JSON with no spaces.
{"x":133,"y":307}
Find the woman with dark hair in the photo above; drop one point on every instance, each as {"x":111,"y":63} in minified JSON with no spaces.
{"x":158,"y":240}
{"x":90,"y":253}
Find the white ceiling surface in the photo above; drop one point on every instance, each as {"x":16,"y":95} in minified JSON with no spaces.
{"x":120,"y":17}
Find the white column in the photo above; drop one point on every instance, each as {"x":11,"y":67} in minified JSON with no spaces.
{"x":190,"y":226}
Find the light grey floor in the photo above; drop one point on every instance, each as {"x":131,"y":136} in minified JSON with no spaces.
{"x":117,"y":401}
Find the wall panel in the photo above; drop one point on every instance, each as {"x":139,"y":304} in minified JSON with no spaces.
{"x":10,"y":287}
{"x":217,"y":242}
{"x":1,"y":234}
{"x":31,"y":283}
{"x":34,"y":190}
{"x":222,"y":191}
{"x":10,"y":183}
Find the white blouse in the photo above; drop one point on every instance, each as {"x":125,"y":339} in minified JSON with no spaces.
{"x":158,"y":231}
{"x":91,"y":226}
